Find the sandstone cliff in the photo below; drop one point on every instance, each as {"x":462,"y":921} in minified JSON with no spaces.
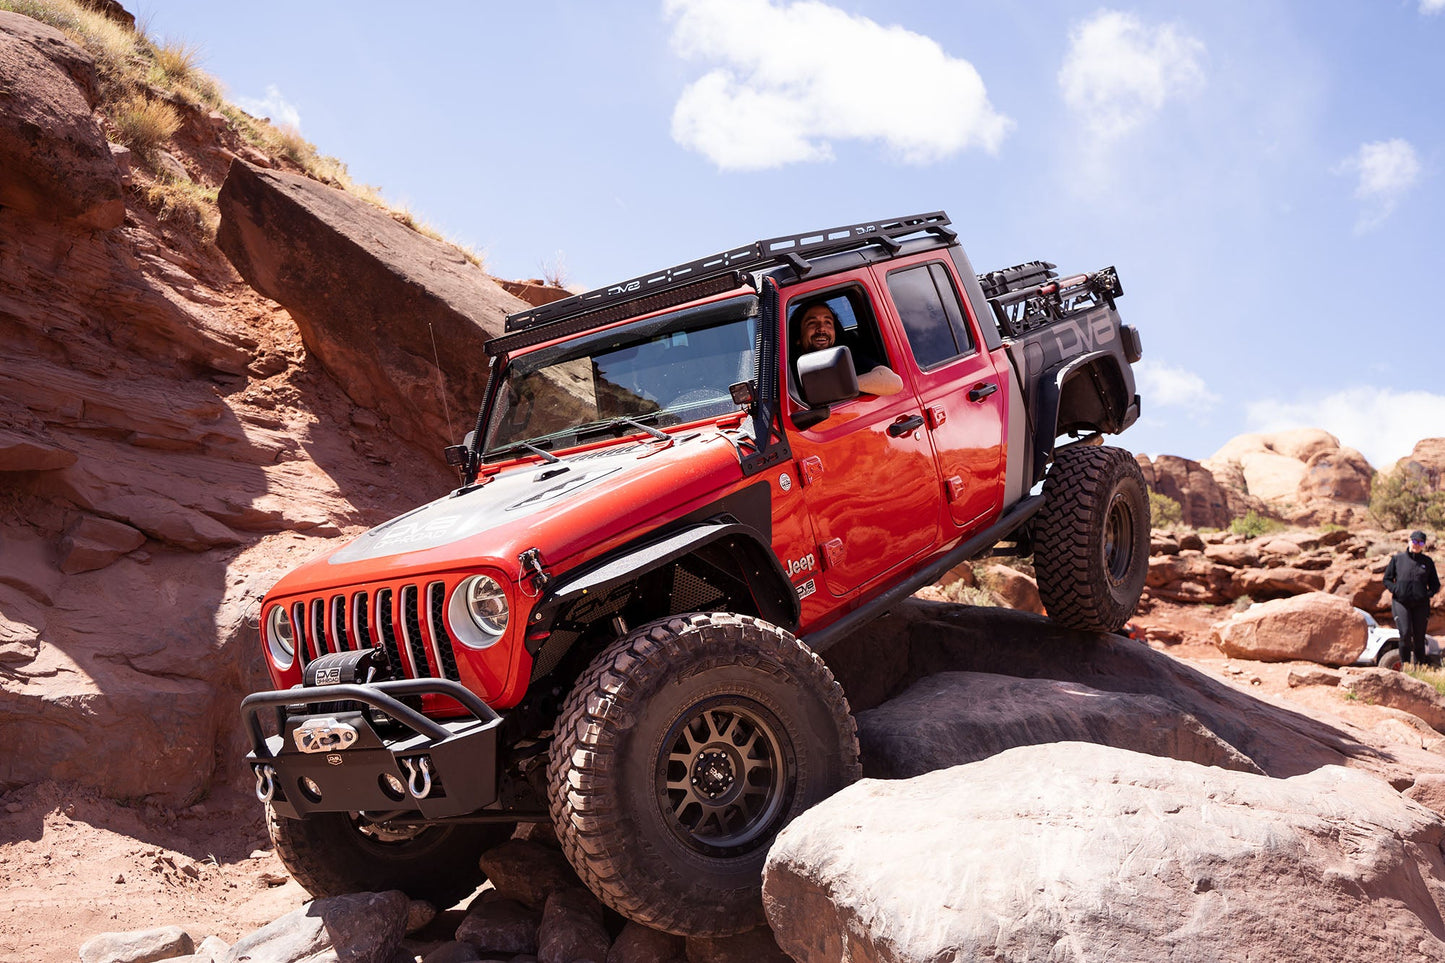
{"x":171,"y":438}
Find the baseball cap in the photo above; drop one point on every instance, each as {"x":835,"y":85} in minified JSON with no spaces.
{"x":1417,"y":536}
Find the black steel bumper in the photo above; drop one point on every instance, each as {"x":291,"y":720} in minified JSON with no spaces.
{"x":340,"y":761}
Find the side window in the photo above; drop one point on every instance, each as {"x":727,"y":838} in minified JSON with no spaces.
{"x":856,"y":328}
{"x":929,"y":308}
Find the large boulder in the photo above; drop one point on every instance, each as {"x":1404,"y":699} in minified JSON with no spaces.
{"x":927,"y":638}
{"x":1314,"y":627}
{"x":1068,"y":851}
{"x":1302,"y":475}
{"x":54,"y":160}
{"x":959,"y":717}
{"x":1204,"y":502}
{"x":390,"y":313}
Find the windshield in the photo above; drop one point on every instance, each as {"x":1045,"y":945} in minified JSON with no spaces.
{"x":660,"y":371}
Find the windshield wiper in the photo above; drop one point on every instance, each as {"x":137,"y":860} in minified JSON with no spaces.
{"x":613,"y":424}
{"x":547,"y":456}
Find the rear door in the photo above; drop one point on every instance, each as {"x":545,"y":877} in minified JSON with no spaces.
{"x":962,"y":394}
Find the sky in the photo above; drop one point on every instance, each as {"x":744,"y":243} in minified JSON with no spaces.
{"x":1268,"y":176}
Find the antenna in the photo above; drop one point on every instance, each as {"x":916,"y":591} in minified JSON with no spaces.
{"x":441,"y":384}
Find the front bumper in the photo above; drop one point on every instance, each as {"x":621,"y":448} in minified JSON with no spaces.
{"x":342,"y":761}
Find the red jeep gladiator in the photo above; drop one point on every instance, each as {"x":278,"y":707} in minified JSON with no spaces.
{"x":676,"y":495}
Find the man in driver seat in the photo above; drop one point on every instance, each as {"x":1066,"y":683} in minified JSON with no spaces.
{"x":817,"y":329}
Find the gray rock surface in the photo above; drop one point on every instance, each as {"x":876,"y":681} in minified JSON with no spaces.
{"x":958,"y":717}
{"x":500,"y":926}
{"x":138,"y":946}
{"x":1080,"y":852}
{"x":572,"y":930}
{"x":360,"y":928}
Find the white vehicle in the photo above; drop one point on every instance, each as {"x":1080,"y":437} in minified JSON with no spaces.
{"x":1382,"y":645}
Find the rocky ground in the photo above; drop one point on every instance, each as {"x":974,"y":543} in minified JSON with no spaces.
{"x":74,"y":864}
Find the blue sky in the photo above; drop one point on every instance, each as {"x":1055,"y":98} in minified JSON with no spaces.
{"x":1266,"y":175}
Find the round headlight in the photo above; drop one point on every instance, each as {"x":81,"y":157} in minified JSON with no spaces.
{"x":280,"y":636}
{"x":479,"y":611}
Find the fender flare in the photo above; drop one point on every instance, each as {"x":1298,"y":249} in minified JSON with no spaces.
{"x":776,"y":599}
{"x":1125,"y":410}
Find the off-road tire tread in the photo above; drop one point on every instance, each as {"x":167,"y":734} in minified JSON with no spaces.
{"x":594,"y":842}
{"x":322,"y":872}
{"x":1065,"y":530}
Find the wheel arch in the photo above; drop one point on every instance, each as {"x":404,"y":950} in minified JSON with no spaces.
{"x":720,"y":564}
{"x":1092,"y":392}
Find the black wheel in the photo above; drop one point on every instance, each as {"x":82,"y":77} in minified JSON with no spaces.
{"x":1091,"y":538}
{"x":1391,"y":660}
{"x":332,"y":854}
{"x":683,"y":750}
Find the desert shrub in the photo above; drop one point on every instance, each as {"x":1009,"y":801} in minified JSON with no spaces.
{"x":1404,"y":498}
{"x":1328,"y":527}
{"x":184,"y":205}
{"x":1252,"y":524}
{"x":1242,"y":603}
{"x":1165,"y":510}
{"x":144,"y":125}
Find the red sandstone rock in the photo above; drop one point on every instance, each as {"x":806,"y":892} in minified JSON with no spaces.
{"x":54,"y":162}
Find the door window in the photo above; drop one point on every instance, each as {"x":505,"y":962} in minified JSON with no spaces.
{"x":929,"y":309}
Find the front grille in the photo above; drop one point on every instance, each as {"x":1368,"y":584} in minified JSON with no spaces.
{"x":436,"y":594}
{"x":318,"y":627}
{"x":407,"y":622}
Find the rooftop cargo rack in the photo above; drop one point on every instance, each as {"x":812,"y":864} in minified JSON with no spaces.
{"x":715,"y":274}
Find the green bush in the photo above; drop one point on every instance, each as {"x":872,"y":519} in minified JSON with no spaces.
{"x":1254,"y":524}
{"x":1405,"y":499}
{"x":1165,"y":510}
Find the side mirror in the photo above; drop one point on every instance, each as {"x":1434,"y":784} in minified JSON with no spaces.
{"x":827,"y":377}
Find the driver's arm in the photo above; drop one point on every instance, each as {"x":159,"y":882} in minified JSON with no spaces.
{"x":880,"y":381}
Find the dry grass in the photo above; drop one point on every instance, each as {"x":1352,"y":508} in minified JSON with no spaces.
{"x":1427,"y":674}
{"x":184,"y":205}
{"x":144,"y":125}
{"x":135,"y":71}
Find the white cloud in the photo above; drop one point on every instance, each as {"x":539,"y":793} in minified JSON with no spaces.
{"x":1387,"y":170}
{"x":792,"y":78}
{"x":1169,"y":386}
{"x":1118,"y":73}
{"x":1431,"y":6}
{"x":273,"y":105}
{"x":1382,"y":423}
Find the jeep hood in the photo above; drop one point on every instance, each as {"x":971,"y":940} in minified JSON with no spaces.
{"x":563,"y":507}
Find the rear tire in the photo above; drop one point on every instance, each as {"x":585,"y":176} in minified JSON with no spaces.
{"x":1091,"y":538}
{"x":683,"y":750}
{"x":332,"y":854}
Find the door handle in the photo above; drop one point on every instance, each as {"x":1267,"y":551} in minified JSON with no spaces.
{"x":980,"y":392}
{"x":903,"y":426}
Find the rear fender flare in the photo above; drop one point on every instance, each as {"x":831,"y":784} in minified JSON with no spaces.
{"x":1118,"y":402}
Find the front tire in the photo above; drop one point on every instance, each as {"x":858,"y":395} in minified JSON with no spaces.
{"x":332,"y":854}
{"x":1091,"y":538}
{"x":1391,"y":660}
{"x":683,"y":750}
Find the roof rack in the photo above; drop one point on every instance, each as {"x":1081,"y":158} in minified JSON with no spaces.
{"x":792,"y":250}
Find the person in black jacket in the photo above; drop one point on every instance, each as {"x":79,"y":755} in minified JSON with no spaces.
{"x":1412,"y":582}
